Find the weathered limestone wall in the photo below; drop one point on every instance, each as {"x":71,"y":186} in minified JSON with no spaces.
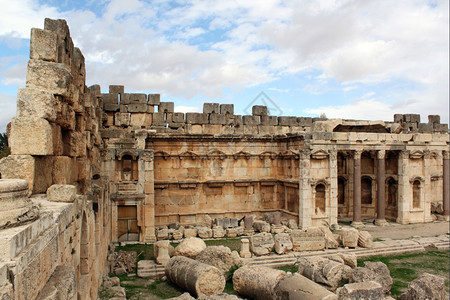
{"x":55,"y":139}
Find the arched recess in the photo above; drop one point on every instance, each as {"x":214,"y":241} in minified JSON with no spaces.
{"x":342,"y":197}
{"x":391,"y":197}
{"x":416,"y":192}
{"x":366,"y":190}
{"x":320,"y":198}
{"x":84,"y":246}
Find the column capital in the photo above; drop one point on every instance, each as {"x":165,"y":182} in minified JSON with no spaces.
{"x":427,"y":154}
{"x":332,"y":154}
{"x":446,"y":154}
{"x":381,"y":154}
{"x":146,"y":155}
{"x":357,"y":154}
{"x":403,"y":154}
{"x":305,"y":153}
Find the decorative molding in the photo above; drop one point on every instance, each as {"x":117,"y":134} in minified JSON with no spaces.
{"x":267,"y":154}
{"x":162,"y":154}
{"x":216,"y":153}
{"x":420,"y":178}
{"x":188,"y":155}
{"x":120,"y":153}
{"x":319,"y":154}
{"x":416,"y":154}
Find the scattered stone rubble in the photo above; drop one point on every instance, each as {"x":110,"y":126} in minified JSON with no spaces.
{"x":427,"y":286}
{"x":122,"y":262}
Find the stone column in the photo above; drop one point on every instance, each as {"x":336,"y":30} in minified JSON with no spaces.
{"x":333,"y":209}
{"x":357,"y":189}
{"x":446,"y":183}
{"x":404,"y":188}
{"x":304,"y":206}
{"x":381,"y":192}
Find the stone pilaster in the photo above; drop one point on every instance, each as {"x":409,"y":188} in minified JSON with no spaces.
{"x":304,"y":207}
{"x":404,"y":188}
{"x":357,"y":189}
{"x":148,"y":208}
{"x":446,"y":183}
{"x":381,"y":198}
{"x":426,"y":201}
{"x":333,"y":210}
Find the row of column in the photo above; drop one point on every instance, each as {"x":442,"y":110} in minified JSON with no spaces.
{"x":381,"y":177}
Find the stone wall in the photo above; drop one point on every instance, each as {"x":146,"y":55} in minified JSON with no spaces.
{"x":55,"y":145}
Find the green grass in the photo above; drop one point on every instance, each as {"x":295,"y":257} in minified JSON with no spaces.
{"x":404,"y":268}
{"x":233,"y":243}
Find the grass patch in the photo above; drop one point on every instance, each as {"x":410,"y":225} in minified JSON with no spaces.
{"x":293,"y":269}
{"x":233,"y":243}
{"x":404,"y":268}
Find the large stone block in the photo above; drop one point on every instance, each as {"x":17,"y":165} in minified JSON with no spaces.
{"x":62,"y":285}
{"x":369,"y":290}
{"x":209,"y":108}
{"x":166,"y":107}
{"x":140,"y":108}
{"x":227,"y":109}
{"x":116,"y":89}
{"x":62,"y":170}
{"x":259,"y":110}
{"x":261,"y":243}
{"x":55,"y":78}
{"x":349,"y":237}
{"x":283,"y":243}
{"x":427,"y":286}
{"x":31,"y":136}
{"x":196,"y":118}
{"x":154,"y":99}
{"x":218,"y":119}
{"x":250,"y":120}
{"x":43,"y":45}
{"x":308,"y":239}
{"x":62,"y":193}
{"x":35,"y":104}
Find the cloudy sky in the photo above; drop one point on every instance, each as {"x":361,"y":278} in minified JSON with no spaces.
{"x":348,"y":59}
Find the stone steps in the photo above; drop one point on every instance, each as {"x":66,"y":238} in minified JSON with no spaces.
{"x":150,"y":269}
{"x":272,"y":261}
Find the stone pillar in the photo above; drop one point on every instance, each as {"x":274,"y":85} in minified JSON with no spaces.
{"x":404,"y":188}
{"x":357,"y":189}
{"x":148,"y":226}
{"x":305,"y":201}
{"x":245,"y":248}
{"x":446,"y":183}
{"x":333,"y":209}
{"x":381,"y":192}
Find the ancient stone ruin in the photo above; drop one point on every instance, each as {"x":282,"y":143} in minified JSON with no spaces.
{"x":89,"y":168}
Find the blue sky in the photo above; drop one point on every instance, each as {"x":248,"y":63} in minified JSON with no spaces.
{"x":348,"y":59}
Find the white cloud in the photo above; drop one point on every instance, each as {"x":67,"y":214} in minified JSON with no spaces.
{"x":166,"y":47}
{"x":359,"y":110}
{"x":7,"y":109}
{"x":186,"y":109}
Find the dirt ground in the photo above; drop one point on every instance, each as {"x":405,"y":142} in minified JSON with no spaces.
{"x":397,"y":231}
